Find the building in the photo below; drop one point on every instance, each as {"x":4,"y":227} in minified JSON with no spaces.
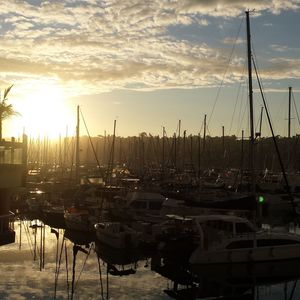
{"x":13,"y":169}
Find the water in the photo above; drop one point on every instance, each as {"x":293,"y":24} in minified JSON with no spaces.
{"x":25,"y":277}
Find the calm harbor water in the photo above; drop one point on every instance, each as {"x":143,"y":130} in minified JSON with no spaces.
{"x":23,"y":276}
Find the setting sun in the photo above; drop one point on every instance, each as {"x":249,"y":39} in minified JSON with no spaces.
{"x":44,"y":112}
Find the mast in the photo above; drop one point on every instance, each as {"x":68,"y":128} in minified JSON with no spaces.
{"x":65,"y":150}
{"x":77,"y":162}
{"x":163,"y":154}
{"x":112,"y":154}
{"x":251,"y":145}
{"x":260,"y":121}
{"x":199,"y":156}
{"x":242,"y":157}
{"x":183,"y":154}
{"x":175,"y":151}
{"x":204,"y":134}
{"x":289,"y":117}
{"x":104,"y":148}
{"x":289,"y":130}
{"x":204,"y":142}
{"x":223,"y":164}
{"x":223,"y":142}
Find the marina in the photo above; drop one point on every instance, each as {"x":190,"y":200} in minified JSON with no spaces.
{"x":154,"y":216}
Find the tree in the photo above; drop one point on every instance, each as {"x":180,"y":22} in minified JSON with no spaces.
{"x":6,"y":110}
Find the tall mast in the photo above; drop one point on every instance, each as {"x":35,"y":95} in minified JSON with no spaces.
{"x":289,"y":129}
{"x":251,"y":145}
{"x":183,"y":151}
{"x":65,"y":149}
{"x":289,"y":116}
{"x":77,"y":163}
{"x":260,"y":121}
{"x":163,"y":154}
{"x":199,"y":156}
{"x":223,"y":140}
{"x":223,"y":147}
{"x":111,"y":163}
{"x":204,"y":143}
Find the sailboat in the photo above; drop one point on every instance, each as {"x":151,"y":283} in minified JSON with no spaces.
{"x":227,"y":239}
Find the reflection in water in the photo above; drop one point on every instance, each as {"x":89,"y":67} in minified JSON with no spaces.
{"x":227,"y":281}
{"x":51,"y":263}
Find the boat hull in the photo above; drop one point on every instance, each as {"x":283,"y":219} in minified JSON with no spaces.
{"x":247,"y":255}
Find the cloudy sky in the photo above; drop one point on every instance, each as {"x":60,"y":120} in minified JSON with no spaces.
{"x":147,"y":64}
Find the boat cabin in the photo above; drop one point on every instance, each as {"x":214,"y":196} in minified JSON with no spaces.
{"x":232,"y":225}
{"x":145,"y":201}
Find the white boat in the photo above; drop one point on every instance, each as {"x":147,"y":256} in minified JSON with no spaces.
{"x":230,"y":239}
{"x":117,"y":235}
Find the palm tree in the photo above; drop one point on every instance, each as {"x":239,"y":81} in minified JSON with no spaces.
{"x":6,"y":110}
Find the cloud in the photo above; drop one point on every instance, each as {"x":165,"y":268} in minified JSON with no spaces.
{"x":282,"y":48}
{"x":231,"y":40}
{"x":282,"y":68}
{"x":231,"y":8}
{"x":102,"y":45}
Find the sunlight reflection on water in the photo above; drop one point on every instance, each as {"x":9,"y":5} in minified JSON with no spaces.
{"x":22,"y":279}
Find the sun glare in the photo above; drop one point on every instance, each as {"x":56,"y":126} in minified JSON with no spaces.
{"x":44,"y":112}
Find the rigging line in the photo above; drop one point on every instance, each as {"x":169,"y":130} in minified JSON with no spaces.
{"x":72,"y":157}
{"x":261,"y":87}
{"x":28,"y":236}
{"x":275,"y":144}
{"x":90,"y":139}
{"x":100,"y":277}
{"x":236,"y":101}
{"x":227,"y":67}
{"x":202,"y":125}
{"x":56,"y":257}
{"x":86,"y":258}
{"x":295,"y":106}
{"x":257,"y":123}
{"x":107,"y":282}
{"x":75,"y":250}
{"x":242,"y":114}
{"x":44,"y":247}
{"x":208,"y":131}
{"x":30,"y":243}
{"x":67,"y":270}
{"x":58,"y":267}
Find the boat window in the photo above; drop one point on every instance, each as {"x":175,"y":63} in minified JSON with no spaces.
{"x":240,"y":244}
{"x":242,"y":228}
{"x":275,"y":242}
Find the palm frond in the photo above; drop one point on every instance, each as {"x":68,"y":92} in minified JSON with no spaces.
{"x":6,"y":110}
{"x":6,"y":91}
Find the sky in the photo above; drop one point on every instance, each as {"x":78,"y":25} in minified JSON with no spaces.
{"x":146,"y":64}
